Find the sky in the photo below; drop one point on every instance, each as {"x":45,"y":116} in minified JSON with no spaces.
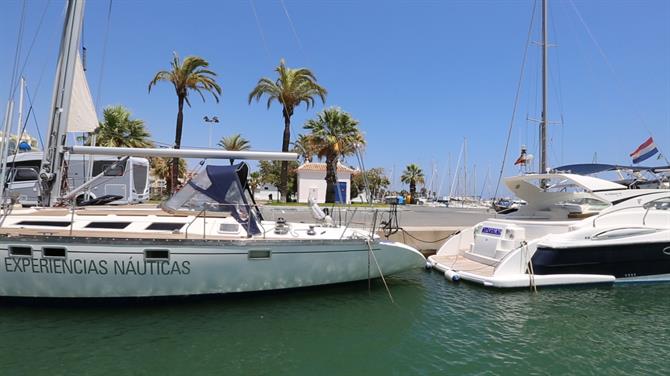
{"x":420,"y":76}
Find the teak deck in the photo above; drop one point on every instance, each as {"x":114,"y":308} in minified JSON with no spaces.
{"x":462,"y":264}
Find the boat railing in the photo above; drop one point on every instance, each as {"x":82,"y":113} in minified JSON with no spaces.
{"x":647,"y":206}
{"x":620,"y":210}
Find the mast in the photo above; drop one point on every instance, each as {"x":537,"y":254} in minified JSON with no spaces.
{"x":543,"y":122}
{"x":465,"y":167}
{"x":19,"y":122}
{"x":51,"y":174}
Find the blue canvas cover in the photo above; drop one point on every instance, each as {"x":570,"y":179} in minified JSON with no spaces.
{"x":223,"y":186}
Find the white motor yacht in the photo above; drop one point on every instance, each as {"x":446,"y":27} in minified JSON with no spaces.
{"x":574,"y":230}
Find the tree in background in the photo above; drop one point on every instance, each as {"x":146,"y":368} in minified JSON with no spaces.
{"x":304,"y":148}
{"x":412,"y":175}
{"x":334,"y":134}
{"x":255,"y":180}
{"x":271,"y":173}
{"x":377,"y":183}
{"x":234,"y":143}
{"x":117,"y":129}
{"x":161,"y":168}
{"x":291,"y":88}
{"x":190,"y":75}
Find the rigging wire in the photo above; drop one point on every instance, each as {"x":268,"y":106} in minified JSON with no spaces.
{"x":104,"y":56}
{"x":260,"y":31}
{"x":516,"y":99}
{"x":13,"y":83}
{"x":32,"y":43}
{"x":295,"y":33}
{"x":617,"y":80}
{"x":31,"y":110}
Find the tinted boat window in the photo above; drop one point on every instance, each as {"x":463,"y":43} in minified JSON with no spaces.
{"x":110,"y":225}
{"x":165,"y":226}
{"x":44,"y":223}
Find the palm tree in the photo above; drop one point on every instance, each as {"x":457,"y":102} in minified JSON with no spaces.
{"x":254,"y":181}
{"x":412,"y":175}
{"x":118,"y":130}
{"x":304,"y":148}
{"x":290,"y":89}
{"x":334,"y":134}
{"x":190,"y":75}
{"x":161,"y":168}
{"x":234,"y":143}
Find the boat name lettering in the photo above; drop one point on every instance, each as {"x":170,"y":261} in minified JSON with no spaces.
{"x":491,"y":231}
{"x":98,"y":267}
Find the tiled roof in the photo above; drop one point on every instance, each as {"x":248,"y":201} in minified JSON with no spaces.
{"x":313,"y":166}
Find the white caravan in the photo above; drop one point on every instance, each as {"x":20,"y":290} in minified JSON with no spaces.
{"x":129,"y":180}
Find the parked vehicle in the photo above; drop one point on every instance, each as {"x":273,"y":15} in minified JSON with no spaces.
{"x":130,"y":181}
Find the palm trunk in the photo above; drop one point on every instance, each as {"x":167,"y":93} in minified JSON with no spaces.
{"x":331,"y":178}
{"x":177,"y":144}
{"x":412,"y":191}
{"x":283,"y":178}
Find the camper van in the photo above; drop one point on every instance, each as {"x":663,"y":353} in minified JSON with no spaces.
{"x":130,"y":181}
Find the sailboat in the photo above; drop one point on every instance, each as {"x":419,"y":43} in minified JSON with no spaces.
{"x":573,"y":229}
{"x":209,"y":238}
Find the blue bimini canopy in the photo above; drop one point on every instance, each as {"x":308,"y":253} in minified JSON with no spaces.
{"x":219,"y":188}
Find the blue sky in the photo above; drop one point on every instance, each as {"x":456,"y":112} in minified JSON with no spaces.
{"x":420,"y":76}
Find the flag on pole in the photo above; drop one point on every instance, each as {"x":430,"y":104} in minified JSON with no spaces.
{"x":523,"y":158}
{"x":644,"y":151}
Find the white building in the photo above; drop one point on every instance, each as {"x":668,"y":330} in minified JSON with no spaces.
{"x":267,"y":192}
{"x":312,"y":182}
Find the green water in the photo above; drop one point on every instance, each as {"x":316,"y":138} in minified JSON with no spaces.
{"x":434,"y":327}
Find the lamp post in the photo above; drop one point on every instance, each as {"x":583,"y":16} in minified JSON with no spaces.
{"x":212,"y":121}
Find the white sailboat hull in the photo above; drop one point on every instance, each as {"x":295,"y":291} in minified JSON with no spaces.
{"x":102,"y":269}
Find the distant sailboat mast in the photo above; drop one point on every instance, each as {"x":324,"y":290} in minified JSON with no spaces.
{"x":543,"y":122}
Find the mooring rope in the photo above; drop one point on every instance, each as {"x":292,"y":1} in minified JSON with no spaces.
{"x":381,"y":274}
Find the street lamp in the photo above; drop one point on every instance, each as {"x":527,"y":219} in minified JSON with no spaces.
{"x":214,"y":119}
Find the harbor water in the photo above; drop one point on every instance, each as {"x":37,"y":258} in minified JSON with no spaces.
{"x":433,"y":327}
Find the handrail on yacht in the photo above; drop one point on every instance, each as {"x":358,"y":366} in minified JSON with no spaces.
{"x":644,"y":218}
{"x":193,"y":220}
{"x":618,"y":210}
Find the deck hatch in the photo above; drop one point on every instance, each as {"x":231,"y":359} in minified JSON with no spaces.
{"x":55,"y":252}
{"x":20,"y":251}
{"x":165,"y":226}
{"x":108,"y":225}
{"x":156,"y":254}
{"x":44,"y":223}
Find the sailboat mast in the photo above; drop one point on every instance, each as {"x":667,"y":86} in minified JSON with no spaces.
{"x":51,"y":175}
{"x":543,"y":123}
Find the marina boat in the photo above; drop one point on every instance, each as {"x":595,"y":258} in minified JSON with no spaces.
{"x":574,"y":229}
{"x":209,"y":238}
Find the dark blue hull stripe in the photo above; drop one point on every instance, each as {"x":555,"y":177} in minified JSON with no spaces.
{"x":621,"y":261}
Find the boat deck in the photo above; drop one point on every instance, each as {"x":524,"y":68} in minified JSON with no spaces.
{"x":459,"y":263}
{"x":21,"y":232}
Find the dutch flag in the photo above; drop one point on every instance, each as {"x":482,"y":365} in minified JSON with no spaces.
{"x":644,"y":151}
